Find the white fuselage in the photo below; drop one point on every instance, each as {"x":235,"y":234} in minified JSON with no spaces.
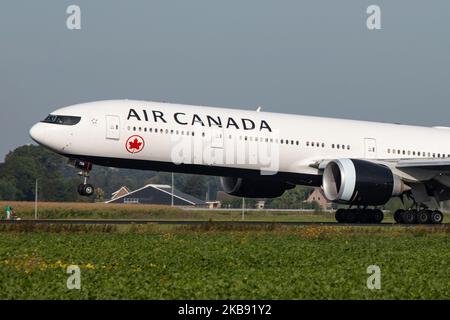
{"x":125,"y":132}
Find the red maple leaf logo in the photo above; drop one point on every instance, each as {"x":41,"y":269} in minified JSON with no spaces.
{"x":135,"y":145}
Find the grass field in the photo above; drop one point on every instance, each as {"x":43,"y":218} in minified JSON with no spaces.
{"x":223,"y":262}
{"x":122,"y":211}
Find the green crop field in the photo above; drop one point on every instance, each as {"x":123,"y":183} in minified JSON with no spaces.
{"x":223,"y":262}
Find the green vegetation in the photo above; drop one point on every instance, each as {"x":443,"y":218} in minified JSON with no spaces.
{"x":223,"y":262}
{"x":25,"y":210}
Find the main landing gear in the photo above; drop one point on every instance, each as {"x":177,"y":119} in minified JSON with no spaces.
{"x":85,"y":189}
{"x":359,"y":215}
{"x":422,"y":216}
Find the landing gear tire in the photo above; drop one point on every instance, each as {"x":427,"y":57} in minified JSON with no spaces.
{"x":436,"y":217}
{"x":377,"y":216}
{"x":423,"y":216}
{"x":351,"y":216}
{"x":359,"y":216}
{"x":364,"y":216}
{"x":339,"y":215}
{"x":398,"y":215}
{"x":85,"y":190}
{"x":409,"y":217}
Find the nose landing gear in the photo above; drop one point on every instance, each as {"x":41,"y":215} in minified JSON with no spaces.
{"x":84,"y":189}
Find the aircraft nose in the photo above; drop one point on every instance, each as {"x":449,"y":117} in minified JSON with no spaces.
{"x":37,"y":132}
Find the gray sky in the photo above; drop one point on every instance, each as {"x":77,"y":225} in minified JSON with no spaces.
{"x":307,"y":57}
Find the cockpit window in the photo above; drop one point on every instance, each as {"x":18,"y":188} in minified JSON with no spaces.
{"x":63,"y":120}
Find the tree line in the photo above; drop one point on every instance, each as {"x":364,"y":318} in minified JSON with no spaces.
{"x":58,"y":181}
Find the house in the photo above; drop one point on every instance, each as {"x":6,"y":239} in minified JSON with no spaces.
{"x":213,"y":204}
{"x":119,"y":193}
{"x":158,"y":194}
{"x":318,"y":196}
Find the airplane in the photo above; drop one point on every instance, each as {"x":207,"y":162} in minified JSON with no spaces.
{"x":358,"y":164}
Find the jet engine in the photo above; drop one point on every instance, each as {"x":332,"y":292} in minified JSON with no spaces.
{"x":360,"y":182}
{"x":258,"y":187}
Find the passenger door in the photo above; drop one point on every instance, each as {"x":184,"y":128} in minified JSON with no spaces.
{"x":112,"y":127}
{"x":217,"y":138}
{"x":370,"y":148}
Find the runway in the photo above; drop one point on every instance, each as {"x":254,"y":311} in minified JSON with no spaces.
{"x":200,"y":222}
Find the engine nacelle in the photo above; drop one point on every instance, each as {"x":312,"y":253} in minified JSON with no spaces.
{"x":359,"y":182}
{"x":254,"y":187}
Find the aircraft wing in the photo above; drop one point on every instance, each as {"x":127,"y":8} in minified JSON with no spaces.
{"x":431,"y":166}
{"x":435,"y":165}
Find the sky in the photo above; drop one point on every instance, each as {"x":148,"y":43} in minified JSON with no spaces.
{"x":312,"y":57}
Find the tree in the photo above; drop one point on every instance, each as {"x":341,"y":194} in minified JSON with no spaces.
{"x":195,"y":186}
{"x":291,"y":199}
{"x":8,"y":189}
